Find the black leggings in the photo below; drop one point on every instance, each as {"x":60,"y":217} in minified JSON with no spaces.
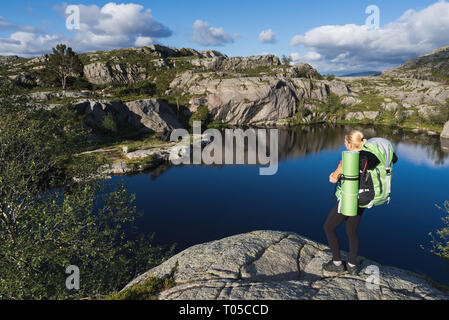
{"x":352,"y":224}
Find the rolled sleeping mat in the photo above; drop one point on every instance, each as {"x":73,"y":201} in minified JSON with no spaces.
{"x":349,"y":204}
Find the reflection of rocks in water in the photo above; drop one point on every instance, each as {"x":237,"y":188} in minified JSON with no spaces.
{"x":313,"y":139}
{"x":303,"y":140}
{"x":155,"y":173}
{"x":445,"y":145}
{"x":300,"y":141}
{"x":428,"y":148}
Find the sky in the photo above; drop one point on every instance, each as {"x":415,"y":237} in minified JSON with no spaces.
{"x":333,"y":36}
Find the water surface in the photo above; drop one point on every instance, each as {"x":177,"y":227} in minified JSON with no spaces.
{"x":196,"y":204}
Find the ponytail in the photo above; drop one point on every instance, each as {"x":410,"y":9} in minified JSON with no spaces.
{"x":356,"y":138}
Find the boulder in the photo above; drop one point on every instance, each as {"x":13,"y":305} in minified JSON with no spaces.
{"x":267,"y":265}
{"x":350,"y":101}
{"x":370,"y":115}
{"x":338,"y":87}
{"x":445,"y":144}
{"x":390,"y":106}
{"x":152,"y":115}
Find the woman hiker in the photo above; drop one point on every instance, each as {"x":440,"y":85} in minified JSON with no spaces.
{"x":354,"y":141}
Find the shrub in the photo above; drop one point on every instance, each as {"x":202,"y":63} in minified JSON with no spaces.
{"x":439,"y":118}
{"x":144,"y":87}
{"x":286,"y":60}
{"x":109,"y":124}
{"x":50,"y":220}
{"x":440,"y":239}
{"x":201,"y":114}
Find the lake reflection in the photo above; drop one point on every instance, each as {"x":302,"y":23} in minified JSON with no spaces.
{"x":195,"y":204}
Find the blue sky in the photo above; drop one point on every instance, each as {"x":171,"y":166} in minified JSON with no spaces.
{"x":328,"y":34}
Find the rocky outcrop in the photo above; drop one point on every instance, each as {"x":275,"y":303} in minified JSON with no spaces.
{"x":350,"y":101}
{"x":215,"y":61}
{"x":366,"y":115}
{"x":303,"y":70}
{"x":48,"y":95}
{"x":252,"y":100}
{"x":8,"y":59}
{"x":265,"y":265}
{"x":105,"y":73}
{"x":432,"y":66}
{"x":24,"y":79}
{"x":147,"y":116}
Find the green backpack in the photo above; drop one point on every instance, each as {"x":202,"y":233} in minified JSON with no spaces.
{"x":375,"y":184}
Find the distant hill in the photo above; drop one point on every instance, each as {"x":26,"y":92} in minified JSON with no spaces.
{"x":432,"y":66}
{"x":362,"y":74}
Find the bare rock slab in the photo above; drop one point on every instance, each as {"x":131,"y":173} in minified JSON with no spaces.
{"x":272,"y":265}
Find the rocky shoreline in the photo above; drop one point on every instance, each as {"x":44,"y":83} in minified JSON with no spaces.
{"x":272,"y":265}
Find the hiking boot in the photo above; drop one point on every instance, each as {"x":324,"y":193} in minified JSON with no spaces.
{"x":331,"y":267}
{"x":354,"y":271}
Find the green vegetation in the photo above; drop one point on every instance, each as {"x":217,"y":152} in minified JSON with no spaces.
{"x":440,"y":238}
{"x":440,"y":117}
{"x":109,"y":124}
{"x":147,"y":290}
{"x":63,"y":63}
{"x":286,"y":60}
{"x":201,"y":114}
{"x":141,"y":164}
{"x":53,"y":215}
{"x":143,"y":88}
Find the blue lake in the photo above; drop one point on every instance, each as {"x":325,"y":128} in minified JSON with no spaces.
{"x":189,"y":205}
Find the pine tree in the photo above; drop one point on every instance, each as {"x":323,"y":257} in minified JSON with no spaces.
{"x":63,"y":63}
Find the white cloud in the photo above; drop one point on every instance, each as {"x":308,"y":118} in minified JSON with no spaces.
{"x":355,"y":47}
{"x":267,"y":36}
{"x":111,"y":26}
{"x":28,"y":43}
{"x":143,"y":41}
{"x":117,"y":25}
{"x":309,"y":56}
{"x":206,"y":35}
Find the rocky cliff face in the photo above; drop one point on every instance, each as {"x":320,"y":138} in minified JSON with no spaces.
{"x":265,"y":265}
{"x":147,"y":116}
{"x":253,"y":100}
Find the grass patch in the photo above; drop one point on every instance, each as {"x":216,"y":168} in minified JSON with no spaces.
{"x":141,"y":164}
{"x":148,"y":289}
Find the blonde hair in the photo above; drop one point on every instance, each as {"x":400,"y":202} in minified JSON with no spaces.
{"x":356,"y":138}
